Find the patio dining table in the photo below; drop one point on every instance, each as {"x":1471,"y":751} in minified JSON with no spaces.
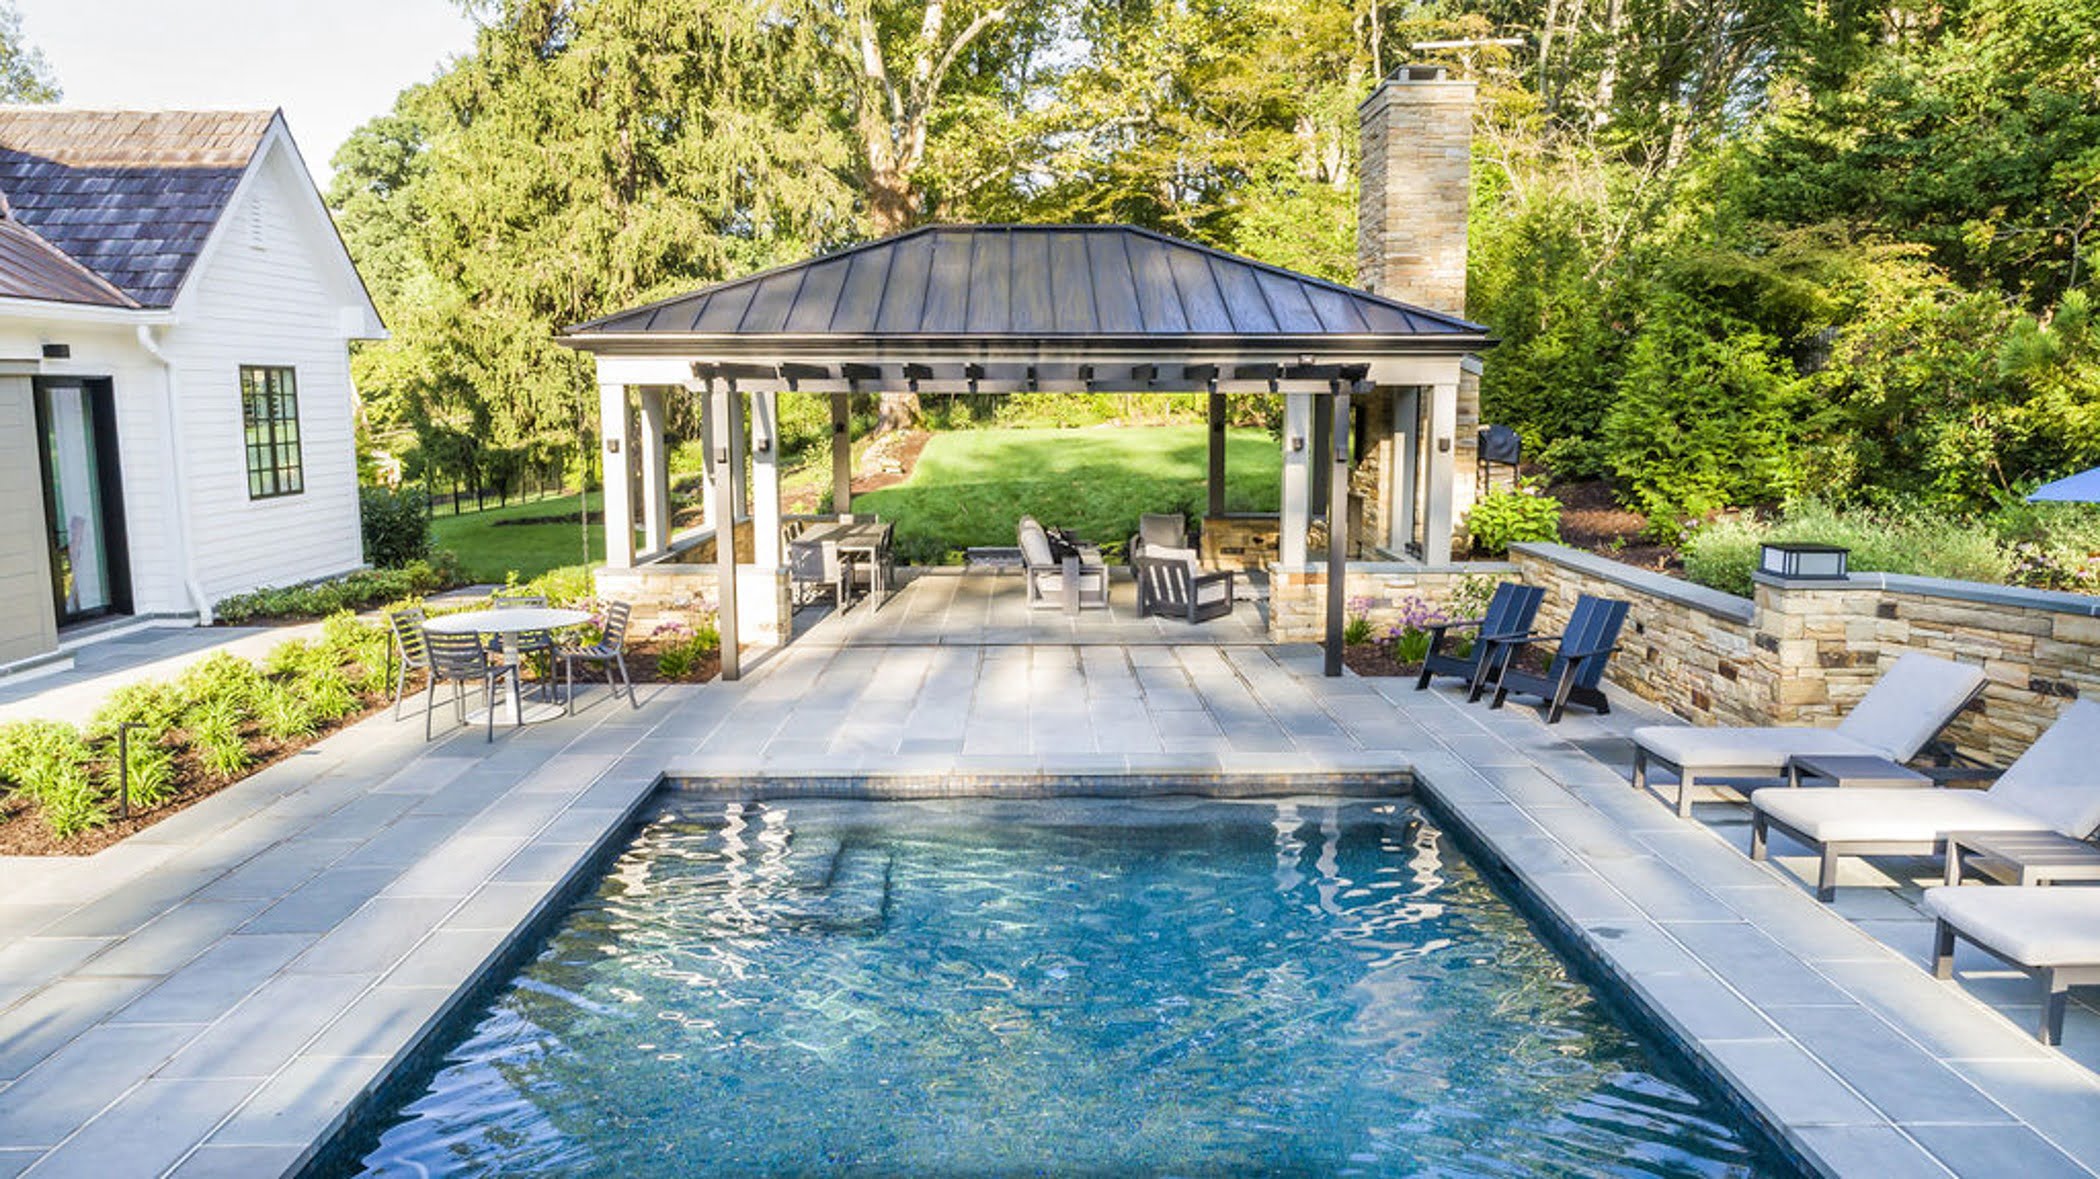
{"x":864,"y":540}
{"x":507,"y":625}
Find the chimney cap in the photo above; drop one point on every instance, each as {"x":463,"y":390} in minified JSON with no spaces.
{"x":1419,"y":73}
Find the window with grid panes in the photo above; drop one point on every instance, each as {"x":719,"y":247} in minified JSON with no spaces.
{"x":270,"y":418}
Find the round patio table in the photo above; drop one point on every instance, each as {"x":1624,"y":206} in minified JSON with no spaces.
{"x":507,"y":624}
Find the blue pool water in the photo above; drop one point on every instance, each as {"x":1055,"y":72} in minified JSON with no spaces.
{"x":1165,"y":987}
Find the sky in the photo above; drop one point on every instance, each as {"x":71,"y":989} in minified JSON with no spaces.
{"x":331,"y":64}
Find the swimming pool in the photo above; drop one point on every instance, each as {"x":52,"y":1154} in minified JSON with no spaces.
{"x":1165,"y":986}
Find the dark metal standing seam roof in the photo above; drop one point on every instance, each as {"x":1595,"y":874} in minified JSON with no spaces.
{"x":131,"y":195}
{"x":1029,"y":282}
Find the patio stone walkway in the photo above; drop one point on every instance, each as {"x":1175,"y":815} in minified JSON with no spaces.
{"x":217,"y":994}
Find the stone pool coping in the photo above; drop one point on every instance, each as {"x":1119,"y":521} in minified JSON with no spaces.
{"x":219,"y":995}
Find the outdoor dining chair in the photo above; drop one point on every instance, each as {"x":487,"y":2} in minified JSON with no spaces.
{"x":610,"y":651}
{"x":463,"y":660}
{"x":1509,"y":613}
{"x":1576,"y":675}
{"x":528,"y":642}
{"x":407,"y":653}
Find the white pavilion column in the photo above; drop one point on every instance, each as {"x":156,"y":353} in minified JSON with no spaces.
{"x":727,"y":442}
{"x":619,"y":508}
{"x":1297,"y":480}
{"x":1440,"y":449}
{"x":710,"y":514}
{"x":841,"y":454}
{"x":656,"y":472}
{"x":1407,"y":452}
{"x":765,"y":481}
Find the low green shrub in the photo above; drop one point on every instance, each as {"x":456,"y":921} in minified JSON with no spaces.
{"x":152,"y":773}
{"x":1505,"y":518}
{"x":358,"y":591}
{"x":1724,"y":553}
{"x":681,"y":648}
{"x":284,"y":714}
{"x":396,"y":525}
{"x":297,"y":689}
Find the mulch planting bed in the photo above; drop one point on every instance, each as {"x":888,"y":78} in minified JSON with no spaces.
{"x":1590,"y":519}
{"x":23,"y":831}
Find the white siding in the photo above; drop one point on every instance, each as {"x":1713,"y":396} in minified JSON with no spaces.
{"x":138,"y":383}
{"x":261,"y":297}
{"x":25,"y":565}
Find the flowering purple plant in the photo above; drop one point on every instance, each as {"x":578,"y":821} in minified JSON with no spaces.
{"x":1361,"y":606}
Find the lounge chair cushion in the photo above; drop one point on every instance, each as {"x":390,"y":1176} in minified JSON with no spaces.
{"x":1749,"y":750}
{"x":1869,"y":814}
{"x":1167,"y":531}
{"x":1912,"y":700}
{"x":2033,"y":926}
{"x":1035,"y":545}
{"x":2058,"y":779}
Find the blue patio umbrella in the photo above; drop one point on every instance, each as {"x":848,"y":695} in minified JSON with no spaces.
{"x":2082,"y":488}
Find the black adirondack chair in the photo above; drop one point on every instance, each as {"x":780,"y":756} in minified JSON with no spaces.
{"x":1579,"y":659}
{"x":1509,"y":613}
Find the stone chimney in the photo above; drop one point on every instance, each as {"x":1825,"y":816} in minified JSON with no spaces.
{"x":1417,"y":131}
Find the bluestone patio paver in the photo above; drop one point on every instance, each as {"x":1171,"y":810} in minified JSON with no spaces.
{"x":304,"y":929}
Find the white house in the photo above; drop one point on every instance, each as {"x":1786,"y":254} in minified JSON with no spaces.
{"x":176,"y":414}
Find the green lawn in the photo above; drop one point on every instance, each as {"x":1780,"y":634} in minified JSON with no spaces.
{"x":488,"y":548}
{"x":970,"y":486}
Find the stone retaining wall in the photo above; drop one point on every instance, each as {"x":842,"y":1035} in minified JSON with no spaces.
{"x":672,"y":592}
{"x":1797,"y":653}
{"x":1298,"y":597}
{"x":1805,"y":652}
{"x":1240,"y":540}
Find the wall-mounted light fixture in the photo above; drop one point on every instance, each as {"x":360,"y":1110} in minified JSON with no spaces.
{"x":612,"y":446}
{"x":1297,"y":443}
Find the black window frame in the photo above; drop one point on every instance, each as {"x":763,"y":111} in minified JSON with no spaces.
{"x":270,"y":403}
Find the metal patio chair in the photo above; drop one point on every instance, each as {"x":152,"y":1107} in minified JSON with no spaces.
{"x":407,"y":653}
{"x":609,"y":651}
{"x":463,"y":660}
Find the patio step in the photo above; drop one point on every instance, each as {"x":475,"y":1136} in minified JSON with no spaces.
{"x":856,"y":898}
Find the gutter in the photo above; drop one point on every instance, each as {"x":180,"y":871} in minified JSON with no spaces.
{"x":151,"y":343}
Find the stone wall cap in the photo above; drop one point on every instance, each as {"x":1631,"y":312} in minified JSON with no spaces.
{"x":1670,"y":589}
{"x":1375,"y":568}
{"x":1981,"y":592}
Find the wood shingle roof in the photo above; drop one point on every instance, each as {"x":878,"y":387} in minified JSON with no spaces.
{"x":130,"y":195}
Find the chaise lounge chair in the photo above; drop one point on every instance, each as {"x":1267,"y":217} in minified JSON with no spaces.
{"x":1905,"y":709}
{"x":1509,"y":613}
{"x":2053,"y":933}
{"x":2054,"y":786}
{"x":1576,"y":675}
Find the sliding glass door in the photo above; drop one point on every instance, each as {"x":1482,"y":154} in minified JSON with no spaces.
{"x":83,"y":497}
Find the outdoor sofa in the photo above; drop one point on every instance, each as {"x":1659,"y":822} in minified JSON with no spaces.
{"x":2054,"y":786}
{"x":1904,"y":710}
{"x":2053,"y":933}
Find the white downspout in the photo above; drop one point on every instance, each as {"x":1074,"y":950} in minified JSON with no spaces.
{"x":198,"y":598}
